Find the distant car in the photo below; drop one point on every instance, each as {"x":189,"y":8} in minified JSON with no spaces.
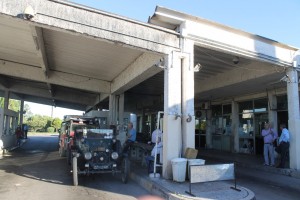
{"x":91,"y":150}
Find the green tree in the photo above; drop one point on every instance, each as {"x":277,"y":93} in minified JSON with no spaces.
{"x":27,"y":113}
{"x":1,"y":102}
{"x":37,"y":122}
{"x":12,"y":105}
{"x":56,"y":123}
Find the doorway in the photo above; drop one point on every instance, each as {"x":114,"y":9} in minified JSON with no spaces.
{"x":282,"y":118}
{"x":259,"y":119}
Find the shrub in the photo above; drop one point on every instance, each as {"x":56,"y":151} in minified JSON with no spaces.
{"x":50,"y":129}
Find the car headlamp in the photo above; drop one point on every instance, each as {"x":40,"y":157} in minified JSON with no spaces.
{"x":87,"y":155}
{"x":114,"y":155}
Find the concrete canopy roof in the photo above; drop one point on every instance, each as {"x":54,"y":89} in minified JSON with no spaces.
{"x":262,"y":61}
{"x":72,"y":56}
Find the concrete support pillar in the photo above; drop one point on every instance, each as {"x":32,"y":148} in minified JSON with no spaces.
{"x":235,"y":126}
{"x":272,"y":113}
{"x":112,"y":117}
{"x":5,"y":107}
{"x":172,"y":137}
{"x":294,"y":118}
{"x":121,"y":125}
{"x":208,"y":130}
{"x":6,"y":99}
{"x":21,"y":112}
{"x":188,"y":110}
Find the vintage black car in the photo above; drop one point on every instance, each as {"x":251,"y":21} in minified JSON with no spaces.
{"x":96,"y":151}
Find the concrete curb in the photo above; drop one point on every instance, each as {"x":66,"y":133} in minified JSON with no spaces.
{"x":159,"y":190}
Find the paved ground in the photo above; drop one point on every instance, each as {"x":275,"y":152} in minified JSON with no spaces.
{"x":32,"y":169}
{"x":36,"y":172}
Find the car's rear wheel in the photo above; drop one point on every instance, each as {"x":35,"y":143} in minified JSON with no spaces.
{"x":75,"y":174}
{"x":125,"y":169}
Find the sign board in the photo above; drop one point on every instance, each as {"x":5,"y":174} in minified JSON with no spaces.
{"x":206,"y":173}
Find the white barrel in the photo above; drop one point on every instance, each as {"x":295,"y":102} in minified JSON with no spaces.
{"x":179,"y":169}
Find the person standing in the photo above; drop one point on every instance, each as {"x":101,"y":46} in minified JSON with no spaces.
{"x":25,"y":130}
{"x":269,"y":136}
{"x":19,"y":135}
{"x":284,"y":145}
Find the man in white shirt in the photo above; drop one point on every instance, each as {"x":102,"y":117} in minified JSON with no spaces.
{"x":155,"y":134}
{"x":156,"y":149}
{"x":284,"y":145}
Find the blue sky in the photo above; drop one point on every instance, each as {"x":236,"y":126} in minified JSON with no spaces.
{"x":275,"y":19}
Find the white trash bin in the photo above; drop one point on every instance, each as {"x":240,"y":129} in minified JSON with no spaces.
{"x":179,"y":169}
{"x":194,"y":162}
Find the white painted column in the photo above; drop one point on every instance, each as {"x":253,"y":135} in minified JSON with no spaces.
{"x":188,"y":110}
{"x":208,"y":132}
{"x":112,"y":109}
{"x":294,"y":118}
{"x":6,"y":99}
{"x":235,"y":126}
{"x":172,"y":138}
{"x":2,"y":117}
{"x":272,"y":113}
{"x":122,"y":133}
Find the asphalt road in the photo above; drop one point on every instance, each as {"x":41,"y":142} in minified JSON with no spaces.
{"x":36,"y":172}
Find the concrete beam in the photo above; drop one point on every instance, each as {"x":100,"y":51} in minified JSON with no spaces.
{"x":236,"y":76}
{"x":4,"y":82}
{"x":141,"y":69}
{"x":59,"y":78}
{"x":61,"y":95}
{"x":76,"y":19}
{"x":38,"y":40}
{"x":215,"y":36}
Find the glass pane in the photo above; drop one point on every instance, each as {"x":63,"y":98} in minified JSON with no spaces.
{"x":246,"y":123}
{"x":226,"y":125}
{"x":216,"y":110}
{"x":259,"y":122}
{"x":227,"y":109}
{"x":216,"y":126}
{"x":261,"y":105}
{"x":245,"y":107}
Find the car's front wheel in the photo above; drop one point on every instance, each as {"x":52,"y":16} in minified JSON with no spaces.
{"x":125,"y":169}
{"x":75,"y":174}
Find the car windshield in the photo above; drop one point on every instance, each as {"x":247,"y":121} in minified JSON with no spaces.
{"x":92,"y":133}
{"x":83,"y":126}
